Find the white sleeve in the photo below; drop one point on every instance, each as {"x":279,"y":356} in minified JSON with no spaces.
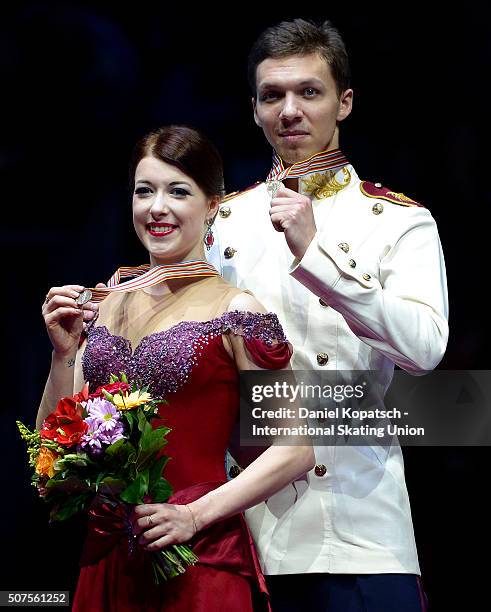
{"x":403,"y":314}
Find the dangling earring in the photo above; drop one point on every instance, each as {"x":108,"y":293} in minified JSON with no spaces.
{"x":209,"y":239}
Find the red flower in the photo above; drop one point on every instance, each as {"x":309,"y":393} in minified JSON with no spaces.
{"x":65,"y":425}
{"x":116,"y":387}
{"x":83,"y":395}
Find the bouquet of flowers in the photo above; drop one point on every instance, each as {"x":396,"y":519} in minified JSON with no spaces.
{"x":103,"y":444}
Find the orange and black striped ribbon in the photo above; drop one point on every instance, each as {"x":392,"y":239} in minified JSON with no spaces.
{"x":325,"y":160}
{"x":145,"y":276}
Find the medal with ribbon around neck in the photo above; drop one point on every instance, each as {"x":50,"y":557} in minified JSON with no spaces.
{"x":320,"y":162}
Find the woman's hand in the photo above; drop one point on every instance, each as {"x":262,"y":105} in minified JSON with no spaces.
{"x":64,"y":318}
{"x":160,"y":525}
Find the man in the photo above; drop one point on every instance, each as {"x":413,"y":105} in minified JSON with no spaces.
{"x":355,"y":273}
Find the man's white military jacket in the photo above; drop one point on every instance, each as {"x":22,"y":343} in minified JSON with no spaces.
{"x":369,"y":292}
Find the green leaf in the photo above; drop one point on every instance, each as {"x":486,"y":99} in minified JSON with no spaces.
{"x":99,"y":478}
{"x":70,"y":485}
{"x":119,"y":456}
{"x":157,"y":468}
{"x":131,"y":459}
{"x":113,"y":378}
{"x":115,"y":448}
{"x":143,"y":424}
{"x":154,"y":440}
{"x":130,"y":419}
{"x":123,"y":377}
{"x":150,"y":444}
{"x":112,"y":486}
{"x":160,"y":491}
{"x":70,"y":506}
{"x":73,"y":460}
{"x":136,"y":491}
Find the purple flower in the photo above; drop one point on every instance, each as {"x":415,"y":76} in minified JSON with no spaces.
{"x":110,"y":437}
{"x":104,"y":424}
{"x":102,"y":413}
{"x":92,"y":438}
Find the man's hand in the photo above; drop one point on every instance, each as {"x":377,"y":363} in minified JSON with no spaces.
{"x":292,"y":214}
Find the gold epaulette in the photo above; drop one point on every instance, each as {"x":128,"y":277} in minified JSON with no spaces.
{"x":376,"y":190}
{"x":234,"y":194}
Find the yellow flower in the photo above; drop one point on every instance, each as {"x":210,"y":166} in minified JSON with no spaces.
{"x":45,"y":462}
{"x":127,"y":402}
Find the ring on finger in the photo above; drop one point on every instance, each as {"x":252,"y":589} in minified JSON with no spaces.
{"x":149,"y":521}
{"x":46,"y":299}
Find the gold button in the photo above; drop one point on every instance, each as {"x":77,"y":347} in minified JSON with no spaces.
{"x":234,"y":471}
{"x":352,"y":263}
{"x":322,"y":303}
{"x":322,"y":358}
{"x":225,"y":212}
{"x":377,"y":208}
{"x":367,"y":276}
{"x":229,"y":252}
{"x":378,"y":185}
{"x":344,"y":246}
{"x":320,"y":469}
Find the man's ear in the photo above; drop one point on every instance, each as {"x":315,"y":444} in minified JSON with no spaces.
{"x":254,"y":108}
{"x":345,"y":104}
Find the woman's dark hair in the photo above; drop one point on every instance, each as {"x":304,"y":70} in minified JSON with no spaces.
{"x":187,"y":149}
{"x":301,"y":37}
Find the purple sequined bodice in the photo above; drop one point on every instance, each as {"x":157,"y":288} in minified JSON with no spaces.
{"x":164,"y":360}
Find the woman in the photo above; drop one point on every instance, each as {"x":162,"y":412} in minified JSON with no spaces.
{"x":191,"y":337}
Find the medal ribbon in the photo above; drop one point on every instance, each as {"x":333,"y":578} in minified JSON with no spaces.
{"x":325,"y":160}
{"x":145,"y":276}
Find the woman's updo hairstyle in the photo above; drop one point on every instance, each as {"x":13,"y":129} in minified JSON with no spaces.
{"x":187,"y":149}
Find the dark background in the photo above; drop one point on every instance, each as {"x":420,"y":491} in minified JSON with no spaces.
{"x":83,"y":81}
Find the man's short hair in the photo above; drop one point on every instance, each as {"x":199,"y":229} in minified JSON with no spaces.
{"x":301,"y":37}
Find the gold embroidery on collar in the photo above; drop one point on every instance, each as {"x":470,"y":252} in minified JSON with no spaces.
{"x":324,"y":184}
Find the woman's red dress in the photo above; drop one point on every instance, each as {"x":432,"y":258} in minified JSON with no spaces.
{"x":189,"y":366}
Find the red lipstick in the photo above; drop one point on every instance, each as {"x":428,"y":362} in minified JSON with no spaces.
{"x":160,"y":229}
